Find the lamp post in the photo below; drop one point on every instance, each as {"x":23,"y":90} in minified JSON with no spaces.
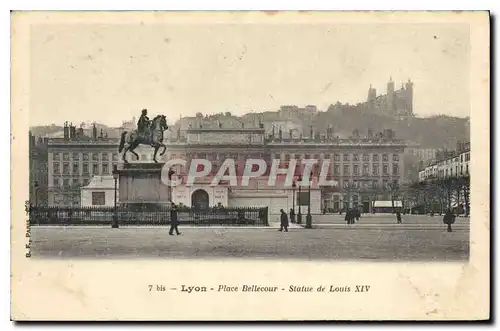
{"x":294,"y":185}
{"x":394,"y":191}
{"x":309,"y":216}
{"x":115,"y":215}
{"x":170,"y":174}
{"x":299,"y":214}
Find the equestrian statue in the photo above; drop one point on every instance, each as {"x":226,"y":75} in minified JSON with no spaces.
{"x":149,"y":132}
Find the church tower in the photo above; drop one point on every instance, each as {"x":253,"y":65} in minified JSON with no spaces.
{"x":409,"y":98}
{"x":372,"y":94}
{"x":391,"y":102}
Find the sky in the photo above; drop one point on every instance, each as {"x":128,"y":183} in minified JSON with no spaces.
{"x":108,"y":73}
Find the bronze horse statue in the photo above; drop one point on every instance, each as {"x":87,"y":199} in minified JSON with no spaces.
{"x":130,"y":140}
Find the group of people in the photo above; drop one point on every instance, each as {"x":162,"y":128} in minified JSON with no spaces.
{"x":352,"y":215}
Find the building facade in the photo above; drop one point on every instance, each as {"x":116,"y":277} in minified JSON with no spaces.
{"x":72,"y":162}
{"x":454,"y":164}
{"x":363,"y":167}
{"x":38,"y":170}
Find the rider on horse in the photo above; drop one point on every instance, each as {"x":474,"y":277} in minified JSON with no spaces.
{"x":149,"y":132}
{"x":143,"y":124}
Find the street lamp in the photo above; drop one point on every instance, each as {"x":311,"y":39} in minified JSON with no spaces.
{"x":115,"y":214}
{"x":294,"y":185}
{"x":394,"y":191}
{"x":170,"y":174}
{"x":299,"y":215}
{"x":309,"y":216}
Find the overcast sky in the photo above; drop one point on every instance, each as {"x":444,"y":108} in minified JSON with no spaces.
{"x":109,"y":73}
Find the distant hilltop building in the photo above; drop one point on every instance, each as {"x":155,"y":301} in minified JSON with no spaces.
{"x":396,"y":103}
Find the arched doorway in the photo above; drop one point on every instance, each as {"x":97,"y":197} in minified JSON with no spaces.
{"x":199,"y":199}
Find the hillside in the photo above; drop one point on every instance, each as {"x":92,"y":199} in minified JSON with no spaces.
{"x":431,"y":132}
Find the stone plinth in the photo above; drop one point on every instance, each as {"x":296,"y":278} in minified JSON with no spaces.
{"x":141,"y":183}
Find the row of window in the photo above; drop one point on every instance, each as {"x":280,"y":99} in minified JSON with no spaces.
{"x":448,"y":172}
{"x":336,"y":157}
{"x":350,"y":157}
{"x":316,"y":169}
{"x":355,"y":184}
{"x":366,"y":169}
{"x":56,"y":156}
{"x":69,"y":182}
{"x":356,"y":169}
{"x":463,"y":158}
{"x":106,"y":168}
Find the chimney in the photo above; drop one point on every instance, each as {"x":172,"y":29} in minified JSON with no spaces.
{"x":72,"y":132}
{"x":66,"y":131}
{"x":94,"y":132}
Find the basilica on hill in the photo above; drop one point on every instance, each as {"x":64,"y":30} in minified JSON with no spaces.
{"x":396,"y":103}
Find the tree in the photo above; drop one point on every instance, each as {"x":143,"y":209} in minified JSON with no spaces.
{"x":466,"y":191}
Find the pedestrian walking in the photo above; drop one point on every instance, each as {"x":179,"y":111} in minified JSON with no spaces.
{"x":349,"y":217}
{"x":292,"y":216}
{"x":449,"y":219}
{"x":284,"y":221}
{"x":174,"y":221}
{"x":398,"y":216}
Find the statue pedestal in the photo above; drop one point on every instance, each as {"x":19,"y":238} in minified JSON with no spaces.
{"x":141,"y":184}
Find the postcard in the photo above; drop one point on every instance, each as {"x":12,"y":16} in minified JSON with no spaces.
{"x":250,"y":166}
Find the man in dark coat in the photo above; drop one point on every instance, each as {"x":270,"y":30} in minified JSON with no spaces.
{"x":348,"y":215}
{"x":284,"y":221}
{"x":449,"y":219}
{"x":398,"y":216}
{"x":174,"y":221}
{"x":292,"y":216}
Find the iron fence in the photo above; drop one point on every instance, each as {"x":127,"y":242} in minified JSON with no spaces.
{"x":241,"y":216}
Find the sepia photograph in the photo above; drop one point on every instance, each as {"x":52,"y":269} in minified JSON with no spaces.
{"x":252,"y":137}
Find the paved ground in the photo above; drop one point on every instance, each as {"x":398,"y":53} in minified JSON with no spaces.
{"x":382,"y":240}
{"x":386,"y":219}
